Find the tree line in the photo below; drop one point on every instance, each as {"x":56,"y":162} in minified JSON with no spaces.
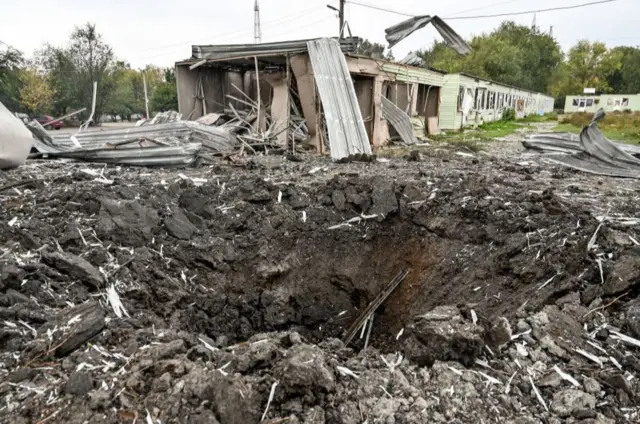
{"x":59,"y":80}
{"x":528,"y":58}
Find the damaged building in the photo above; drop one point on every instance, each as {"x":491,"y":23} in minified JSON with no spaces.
{"x":309,"y":94}
{"x":293,"y":83}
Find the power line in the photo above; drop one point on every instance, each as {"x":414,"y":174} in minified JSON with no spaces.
{"x":484,"y":7}
{"x":226,"y":34}
{"x":497,"y":15}
{"x":528,"y":12}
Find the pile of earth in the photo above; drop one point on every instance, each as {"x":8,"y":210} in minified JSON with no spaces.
{"x":171,"y":296}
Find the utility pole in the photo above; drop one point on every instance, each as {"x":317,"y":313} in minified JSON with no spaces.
{"x":257,"y":34}
{"x":551,"y":31}
{"x":341,"y":16}
{"x":146,"y":98}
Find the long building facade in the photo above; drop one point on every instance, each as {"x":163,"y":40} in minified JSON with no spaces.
{"x":468,"y":100}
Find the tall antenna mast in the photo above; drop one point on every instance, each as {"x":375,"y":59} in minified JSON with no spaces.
{"x":257,"y":34}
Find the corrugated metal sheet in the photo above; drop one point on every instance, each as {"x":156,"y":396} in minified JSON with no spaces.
{"x":171,"y":133}
{"x":413,"y":74}
{"x":231,"y":51}
{"x":347,"y":133}
{"x":169,"y":144}
{"x":400,"y":31}
{"x":400,"y":121}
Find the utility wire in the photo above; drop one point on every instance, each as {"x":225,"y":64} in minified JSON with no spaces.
{"x":227,"y":34}
{"x":483,"y":7}
{"x":527,"y":12}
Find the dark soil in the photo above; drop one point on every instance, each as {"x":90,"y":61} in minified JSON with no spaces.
{"x":208,"y":258}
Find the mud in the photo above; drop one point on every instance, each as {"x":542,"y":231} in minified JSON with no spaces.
{"x":233,"y":279}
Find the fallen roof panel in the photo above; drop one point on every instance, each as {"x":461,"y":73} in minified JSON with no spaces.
{"x":400,"y":31}
{"x":347,"y":133}
{"x":399,"y":120}
{"x":591,"y":152}
{"x":234,"y":51}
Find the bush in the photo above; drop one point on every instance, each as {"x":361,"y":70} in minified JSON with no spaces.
{"x":509,"y":115}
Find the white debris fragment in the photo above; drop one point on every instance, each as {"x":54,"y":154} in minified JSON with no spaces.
{"x":13,"y":221}
{"x":279,"y":196}
{"x":489,"y":378}
{"x":629,"y":340}
{"x":455,"y":371}
{"x":546,"y":283}
{"x":33,"y":330}
{"x":521,"y":349}
{"x":566,"y":376}
{"x":615,"y":362}
{"x":347,"y":372}
{"x":464,"y":154}
{"x":474,"y":317}
{"x":507,"y":389}
{"x":116,"y":303}
{"x":538,"y":395}
{"x":517,"y":336}
{"x":208,"y":346}
{"x":304,"y":216}
{"x":149,"y":419}
{"x":222,"y":369}
{"x":273,"y":391}
{"x":400,"y":333}
{"x":590,"y":356}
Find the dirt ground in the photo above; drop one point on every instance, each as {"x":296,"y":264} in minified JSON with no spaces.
{"x":214,"y":294}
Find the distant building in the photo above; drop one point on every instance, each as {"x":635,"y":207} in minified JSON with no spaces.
{"x":468,"y":100}
{"x":609,"y":102}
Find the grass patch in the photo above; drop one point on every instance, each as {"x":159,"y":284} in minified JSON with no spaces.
{"x":498,"y":129}
{"x":547,"y":117}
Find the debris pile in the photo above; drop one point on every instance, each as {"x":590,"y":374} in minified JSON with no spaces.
{"x":210,"y":295}
{"x":590,"y":152}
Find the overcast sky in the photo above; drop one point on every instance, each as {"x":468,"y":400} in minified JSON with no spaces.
{"x":161,"y":31}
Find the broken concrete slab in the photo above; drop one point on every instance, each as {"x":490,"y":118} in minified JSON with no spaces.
{"x":625,"y":274}
{"x":178,"y":225}
{"x":567,"y":402}
{"x":305,"y":370}
{"x":81,"y":324}
{"x":75,"y":267}
{"x":428,"y":340}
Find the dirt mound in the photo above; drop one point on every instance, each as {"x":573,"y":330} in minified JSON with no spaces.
{"x":188,"y":297}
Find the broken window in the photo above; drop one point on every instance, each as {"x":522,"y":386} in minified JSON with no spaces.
{"x":589,"y":102}
{"x":610,"y":102}
{"x":575,"y":102}
{"x":625,"y":102}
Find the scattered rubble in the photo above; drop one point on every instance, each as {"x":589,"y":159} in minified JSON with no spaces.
{"x":212,"y":295}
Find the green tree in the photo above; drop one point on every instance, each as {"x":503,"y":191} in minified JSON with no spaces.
{"x":36,"y":93}
{"x":590,"y":65}
{"x":512,"y":54}
{"x":11,"y":62}
{"x":122,"y":100}
{"x":373,"y":50}
{"x":627,"y":78}
{"x":93,"y":61}
{"x":165,"y":95}
{"x":73,"y":69}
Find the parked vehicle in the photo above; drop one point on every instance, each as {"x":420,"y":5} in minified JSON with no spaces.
{"x":43,"y":119}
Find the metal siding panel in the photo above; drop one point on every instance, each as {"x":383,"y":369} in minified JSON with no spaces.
{"x":449,"y":102}
{"x":347,"y":133}
{"x":414,"y":75}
